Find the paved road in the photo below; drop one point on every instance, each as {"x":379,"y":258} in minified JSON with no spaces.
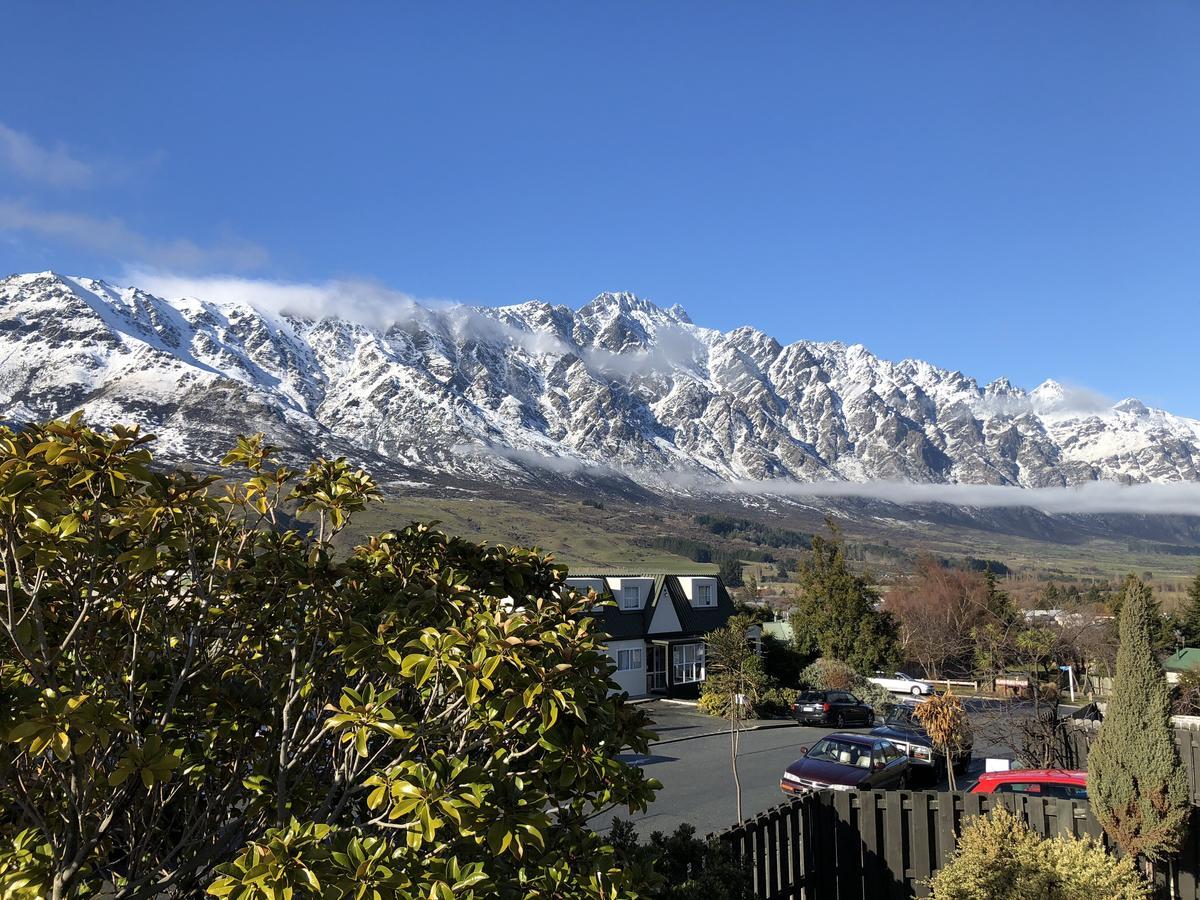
{"x":695,"y":773}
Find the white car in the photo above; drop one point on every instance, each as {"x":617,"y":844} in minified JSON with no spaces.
{"x":900,"y":683}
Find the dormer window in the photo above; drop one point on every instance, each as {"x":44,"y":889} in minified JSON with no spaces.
{"x":631,"y":597}
{"x":704,"y":595}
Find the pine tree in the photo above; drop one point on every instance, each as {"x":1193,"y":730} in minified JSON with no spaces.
{"x":731,"y":571}
{"x":1136,"y":783}
{"x":999,"y":603}
{"x":1189,"y":613}
{"x":837,"y":614}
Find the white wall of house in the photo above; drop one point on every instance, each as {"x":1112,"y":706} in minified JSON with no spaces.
{"x":666,"y":620}
{"x":632,"y":680}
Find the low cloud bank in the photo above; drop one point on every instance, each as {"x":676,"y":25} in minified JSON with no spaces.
{"x":1091,"y":498}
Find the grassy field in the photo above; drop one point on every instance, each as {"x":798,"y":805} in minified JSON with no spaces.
{"x":578,"y":535}
{"x":619,"y":535}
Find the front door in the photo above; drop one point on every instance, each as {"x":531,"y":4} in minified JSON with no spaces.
{"x":656,"y":670}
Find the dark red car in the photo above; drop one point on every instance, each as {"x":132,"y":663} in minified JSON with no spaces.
{"x":1059,"y":784}
{"x":846,"y":762}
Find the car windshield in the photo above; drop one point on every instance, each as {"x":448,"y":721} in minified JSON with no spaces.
{"x":903,"y":715}
{"x":848,"y":753}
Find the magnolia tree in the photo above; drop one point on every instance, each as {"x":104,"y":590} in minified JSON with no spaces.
{"x":199,"y":693}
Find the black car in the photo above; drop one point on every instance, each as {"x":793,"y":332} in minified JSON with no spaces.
{"x":902,"y":728}
{"x":846,"y":762}
{"x":835,"y":708}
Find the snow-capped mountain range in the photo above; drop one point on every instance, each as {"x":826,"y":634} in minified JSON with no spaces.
{"x":619,"y":385}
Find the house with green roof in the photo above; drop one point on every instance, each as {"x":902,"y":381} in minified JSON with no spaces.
{"x":1181,"y":661}
{"x":656,"y":626}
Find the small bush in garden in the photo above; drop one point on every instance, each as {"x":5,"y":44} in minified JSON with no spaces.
{"x":680,"y":865}
{"x":1186,"y":698}
{"x":999,"y":857}
{"x":776,"y":702}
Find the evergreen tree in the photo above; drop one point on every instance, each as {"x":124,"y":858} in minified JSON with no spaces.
{"x":731,"y":571}
{"x":1136,"y":783}
{"x":999,"y":604}
{"x":1051,"y":598}
{"x":837,"y":614}
{"x":1189,"y":613}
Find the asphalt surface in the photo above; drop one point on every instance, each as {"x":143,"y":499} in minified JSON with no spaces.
{"x":697,"y":779}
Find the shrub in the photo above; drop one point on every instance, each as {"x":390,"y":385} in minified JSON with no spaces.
{"x":1049,"y":691}
{"x":1186,"y":700}
{"x":776,"y":702}
{"x":770,"y":702}
{"x":999,"y":858}
{"x":834,"y":675}
{"x":680,"y":866}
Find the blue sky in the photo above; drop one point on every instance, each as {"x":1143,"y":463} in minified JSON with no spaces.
{"x":1002,"y":188}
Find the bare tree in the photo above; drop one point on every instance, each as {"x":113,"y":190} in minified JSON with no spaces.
{"x":736,"y":681}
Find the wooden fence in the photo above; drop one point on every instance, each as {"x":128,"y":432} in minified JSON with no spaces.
{"x":862,"y":845}
{"x":1076,"y":740}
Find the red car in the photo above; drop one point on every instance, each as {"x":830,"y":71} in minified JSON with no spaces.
{"x":1059,"y":784}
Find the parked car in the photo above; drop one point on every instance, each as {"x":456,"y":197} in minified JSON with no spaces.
{"x":900,"y":683}
{"x":835,"y":708}
{"x":1060,"y":784}
{"x":902,"y":728}
{"x":845,"y":762}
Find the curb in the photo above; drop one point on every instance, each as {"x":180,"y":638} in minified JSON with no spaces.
{"x":692,"y":737}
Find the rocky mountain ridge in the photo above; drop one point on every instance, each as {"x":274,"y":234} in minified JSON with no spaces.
{"x":619,"y":387}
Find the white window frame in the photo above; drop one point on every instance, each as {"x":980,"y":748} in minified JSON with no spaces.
{"x":687,"y":660}
{"x":710,"y":598}
{"x":629,"y":659}
{"x":629,"y":591}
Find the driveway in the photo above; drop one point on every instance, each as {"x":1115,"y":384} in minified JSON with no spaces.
{"x":692,"y":761}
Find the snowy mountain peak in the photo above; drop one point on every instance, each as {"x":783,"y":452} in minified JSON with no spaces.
{"x":620,"y":384}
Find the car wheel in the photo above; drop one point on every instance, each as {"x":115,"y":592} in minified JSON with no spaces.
{"x":916,"y":691}
{"x":839,"y":720}
{"x":870,"y":719}
{"x":902,"y":782}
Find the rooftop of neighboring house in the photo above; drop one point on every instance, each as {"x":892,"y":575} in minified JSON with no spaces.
{"x":668,"y":603}
{"x":1182,"y":660}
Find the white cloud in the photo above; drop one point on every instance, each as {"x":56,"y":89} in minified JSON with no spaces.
{"x":112,"y":237}
{"x":361,"y":301}
{"x":674,"y":347}
{"x":55,"y":166}
{"x":562,"y":465}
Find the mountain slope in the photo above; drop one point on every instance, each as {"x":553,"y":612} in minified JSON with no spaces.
{"x":619,"y":385}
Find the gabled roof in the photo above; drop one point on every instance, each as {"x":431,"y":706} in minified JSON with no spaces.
{"x":693,"y":621}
